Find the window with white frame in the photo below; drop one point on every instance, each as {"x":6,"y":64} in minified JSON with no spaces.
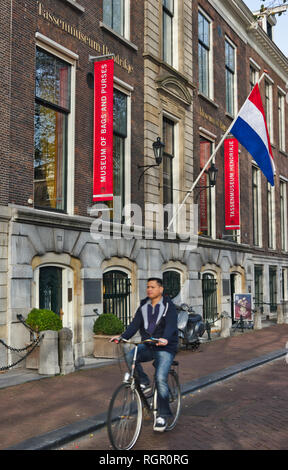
{"x":230,"y":76}
{"x":283,"y":215}
{"x":206,"y":195}
{"x":54,"y":129}
{"x":271,"y":215}
{"x":116,"y":16}
{"x":284,"y":284}
{"x":269,"y":108}
{"x":205,"y":54}
{"x":253,"y":74}
{"x":168,"y":157}
{"x":281,"y":120}
{"x":169,"y":30}
{"x":256,"y":206}
{"x":121,"y":153}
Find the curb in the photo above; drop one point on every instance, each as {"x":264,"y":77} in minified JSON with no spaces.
{"x":54,"y":439}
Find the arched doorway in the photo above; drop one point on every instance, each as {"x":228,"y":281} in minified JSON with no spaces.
{"x":54,"y":291}
{"x":50,"y":289}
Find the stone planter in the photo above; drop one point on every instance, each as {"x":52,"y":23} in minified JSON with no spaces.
{"x":103,"y":348}
{"x":33,"y":359}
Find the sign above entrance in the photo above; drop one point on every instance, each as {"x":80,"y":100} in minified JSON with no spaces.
{"x":103,"y":131}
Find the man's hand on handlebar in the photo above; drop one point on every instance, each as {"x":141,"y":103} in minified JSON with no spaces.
{"x":162,"y":342}
{"x":115,"y":339}
{"x":158,"y":341}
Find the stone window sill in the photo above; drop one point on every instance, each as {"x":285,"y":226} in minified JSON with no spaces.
{"x":75,"y":5}
{"x":118,"y":36}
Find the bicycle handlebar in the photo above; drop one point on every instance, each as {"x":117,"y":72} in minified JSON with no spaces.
{"x":146,"y":341}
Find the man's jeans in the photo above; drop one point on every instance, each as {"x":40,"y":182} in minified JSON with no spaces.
{"x":162,"y":361}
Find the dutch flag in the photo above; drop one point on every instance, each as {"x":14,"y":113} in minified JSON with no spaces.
{"x":250,"y":129}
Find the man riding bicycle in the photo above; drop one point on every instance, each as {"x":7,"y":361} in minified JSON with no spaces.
{"x":156,"y":317}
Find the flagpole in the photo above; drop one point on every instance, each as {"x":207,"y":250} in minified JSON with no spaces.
{"x":211,"y":157}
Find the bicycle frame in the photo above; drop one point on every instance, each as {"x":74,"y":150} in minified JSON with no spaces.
{"x":135,"y":383}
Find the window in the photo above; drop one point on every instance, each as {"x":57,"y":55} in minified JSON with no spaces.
{"x":230,"y":74}
{"x":281,"y":121}
{"x":283,"y":215}
{"x":258,"y":286}
{"x":252,"y":77}
{"x":52,"y":109}
{"x":171,"y":283}
{"x":284,"y":285}
{"x":273,"y":288}
{"x":114,"y":15}
{"x":269,"y":108}
{"x":168,"y":156}
{"x":271,"y":215}
{"x":204,"y":54}
{"x":256,"y":200}
{"x":205,"y":195}
{"x":120,"y":133}
{"x":168,"y":36}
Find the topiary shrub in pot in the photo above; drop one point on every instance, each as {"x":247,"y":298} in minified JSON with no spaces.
{"x":41,"y":320}
{"x":105,"y":327}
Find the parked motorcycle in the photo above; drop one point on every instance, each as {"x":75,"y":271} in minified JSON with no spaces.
{"x":190,"y":327}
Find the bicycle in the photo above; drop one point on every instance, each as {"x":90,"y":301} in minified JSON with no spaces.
{"x":125,"y":413}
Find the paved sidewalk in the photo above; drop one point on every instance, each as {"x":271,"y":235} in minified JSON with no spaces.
{"x":44,"y":413}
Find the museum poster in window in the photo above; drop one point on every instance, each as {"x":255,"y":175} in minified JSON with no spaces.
{"x":243,"y":306}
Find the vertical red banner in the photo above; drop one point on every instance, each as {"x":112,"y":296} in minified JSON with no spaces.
{"x":103,"y":131}
{"x":205,"y":152}
{"x":232,"y":193}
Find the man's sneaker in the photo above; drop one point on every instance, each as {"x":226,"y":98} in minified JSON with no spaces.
{"x":145,"y":388}
{"x":160,"y":424}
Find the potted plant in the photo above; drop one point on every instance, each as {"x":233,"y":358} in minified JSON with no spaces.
{"x":105,"y":327}
{"x":40,"y":320}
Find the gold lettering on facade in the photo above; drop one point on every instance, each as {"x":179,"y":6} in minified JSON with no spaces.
{"x":214,"y":121}
{"x":73,"y":31}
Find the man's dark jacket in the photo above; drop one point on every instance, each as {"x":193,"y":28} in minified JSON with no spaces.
{"x":166,"y":326}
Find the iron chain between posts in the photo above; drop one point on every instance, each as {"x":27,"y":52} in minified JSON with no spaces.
{"x":30,"y":347}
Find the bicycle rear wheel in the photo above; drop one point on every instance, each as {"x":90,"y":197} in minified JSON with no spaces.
{"x":174,"y":399}
{"x":124,"y":417}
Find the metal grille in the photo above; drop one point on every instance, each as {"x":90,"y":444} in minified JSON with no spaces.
{"x":171,"y":283}
{"x":116,"y":295}
{"x":209,"y":292}
{"x":258,"y":276}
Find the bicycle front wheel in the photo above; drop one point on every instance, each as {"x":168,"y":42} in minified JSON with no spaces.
{"x":174,"y":399}
{"x":124,"y":417}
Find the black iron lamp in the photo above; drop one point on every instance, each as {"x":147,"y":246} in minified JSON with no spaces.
{"x":158,"y":147}
{"x":212,"y":175}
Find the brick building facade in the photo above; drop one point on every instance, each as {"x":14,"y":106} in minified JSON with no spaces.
{"x":249,"y":261}
{"x":50,"y":255}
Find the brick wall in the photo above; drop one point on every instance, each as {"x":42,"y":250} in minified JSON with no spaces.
{"x":212,"y":116}
{"x":44,"y":17}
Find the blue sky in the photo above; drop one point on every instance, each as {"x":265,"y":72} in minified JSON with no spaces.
{"x":280,"y":30}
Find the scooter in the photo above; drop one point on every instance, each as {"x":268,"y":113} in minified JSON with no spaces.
{"x":190,"y":327}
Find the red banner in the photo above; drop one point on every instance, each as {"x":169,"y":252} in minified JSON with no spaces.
{"x":103,"y":131}
{"x":232,"y":201}
{"x":205,"y":152}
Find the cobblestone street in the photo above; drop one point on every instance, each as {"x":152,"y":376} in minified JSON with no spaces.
{"x":248,"y":412}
